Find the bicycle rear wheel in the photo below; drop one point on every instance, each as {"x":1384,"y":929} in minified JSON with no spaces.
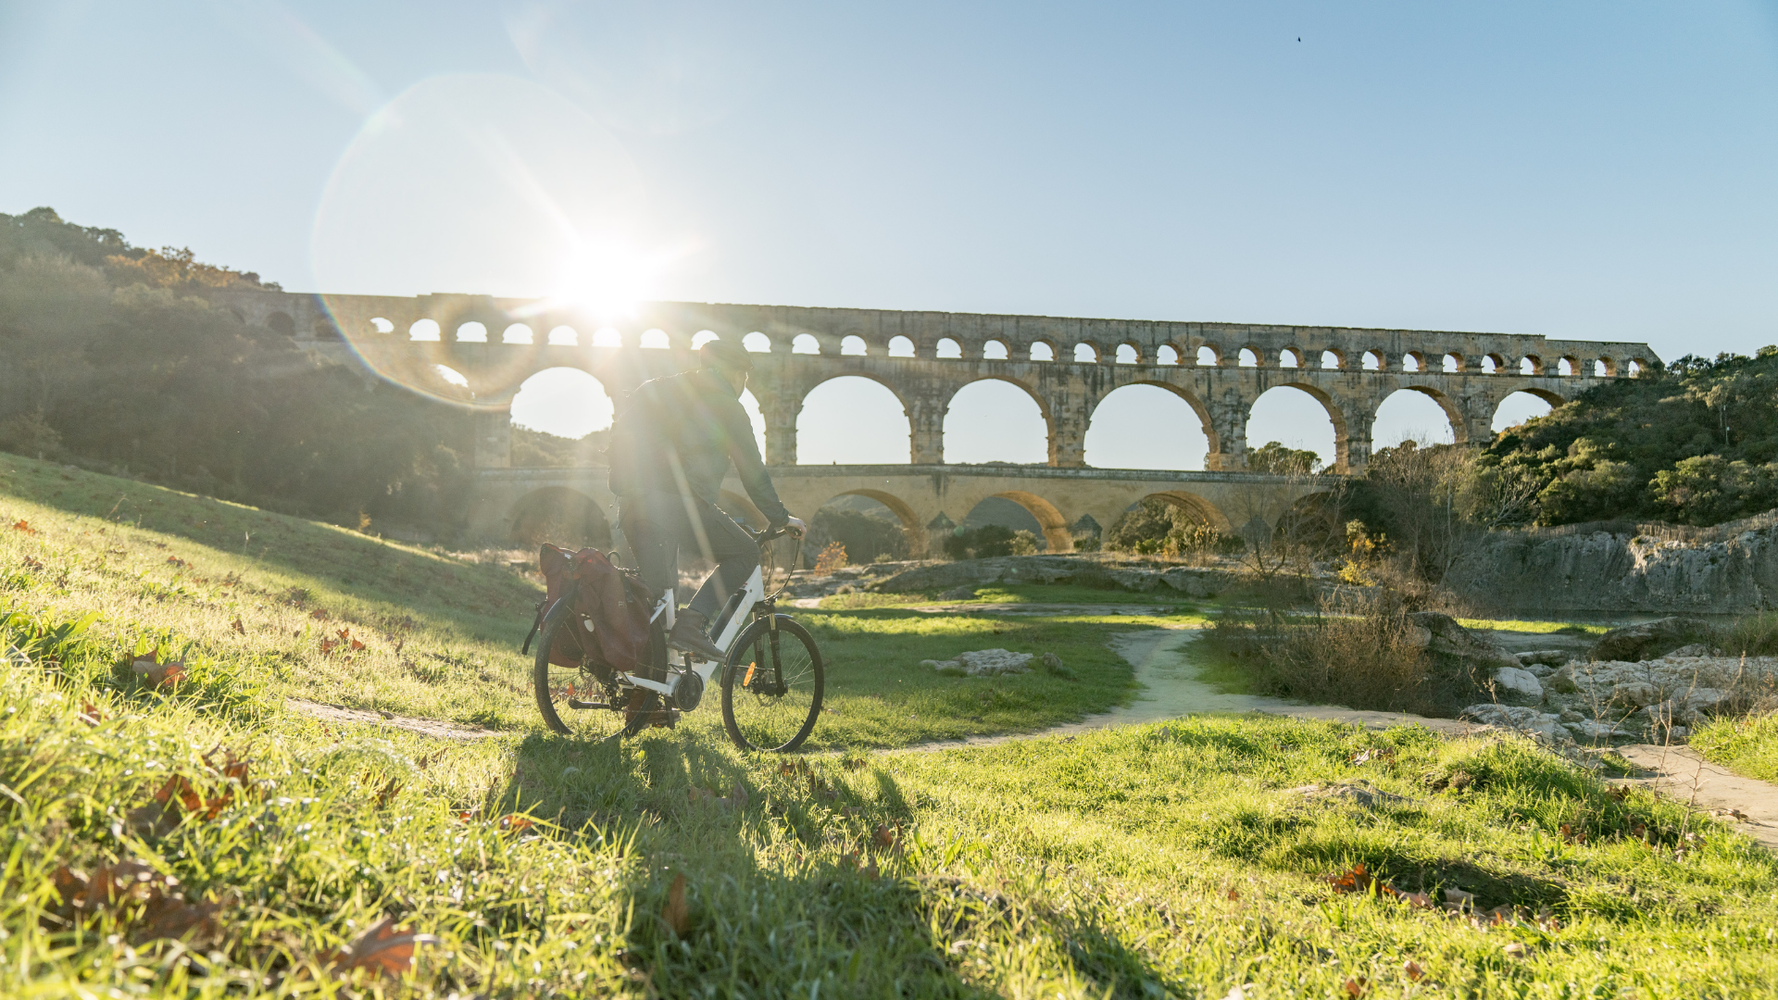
{"x":772,"y":685}
{"x":572,"y":699}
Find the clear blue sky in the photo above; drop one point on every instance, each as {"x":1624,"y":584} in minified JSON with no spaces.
{"x":1603,"y":170}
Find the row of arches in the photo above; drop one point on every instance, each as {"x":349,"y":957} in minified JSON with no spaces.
{"x":1207,"y":355}
{"x":855,"y":420}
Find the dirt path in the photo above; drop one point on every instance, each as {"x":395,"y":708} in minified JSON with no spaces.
{"x":426,"y":727}
{"x":1681,"y":773}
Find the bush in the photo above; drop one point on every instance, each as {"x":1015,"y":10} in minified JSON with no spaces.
{"x":988,"y":541}
{"x":1158,"y":527}
{"x":1366,"y":657}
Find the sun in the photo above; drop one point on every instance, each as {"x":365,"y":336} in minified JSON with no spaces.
{"x":608,"y":279}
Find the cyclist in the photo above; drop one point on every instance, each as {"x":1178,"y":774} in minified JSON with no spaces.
{"x":669,"y":452}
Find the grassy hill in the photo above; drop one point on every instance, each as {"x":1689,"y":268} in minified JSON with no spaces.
{"x":200,"y":840}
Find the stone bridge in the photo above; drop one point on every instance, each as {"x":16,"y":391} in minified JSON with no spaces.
{"x":1067,"y":366}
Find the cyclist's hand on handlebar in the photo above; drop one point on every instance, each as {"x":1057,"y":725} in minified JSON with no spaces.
{"x":795,"y":527}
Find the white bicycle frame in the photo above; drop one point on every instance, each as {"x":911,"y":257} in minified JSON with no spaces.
{"x":751,"y":595}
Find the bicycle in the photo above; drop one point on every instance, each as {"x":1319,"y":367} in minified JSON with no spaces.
{"x":771,"y":687}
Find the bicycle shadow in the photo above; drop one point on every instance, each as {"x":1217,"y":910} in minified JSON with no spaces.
{"x":794,"y":871}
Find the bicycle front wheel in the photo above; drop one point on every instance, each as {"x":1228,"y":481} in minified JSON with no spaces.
{"x":571,"y":698}
{"x":771,"y":685}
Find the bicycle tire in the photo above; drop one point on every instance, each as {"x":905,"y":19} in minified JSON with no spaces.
{"x":553,"y":684}
{"x":771,"y":706}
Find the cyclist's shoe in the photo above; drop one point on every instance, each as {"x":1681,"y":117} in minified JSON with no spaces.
{"x":688,"y":636}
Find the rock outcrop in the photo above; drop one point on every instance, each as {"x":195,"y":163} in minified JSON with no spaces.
{"x":1730,"y":568}
{"x":1184,"y":580}
{"x":1648,"y":640}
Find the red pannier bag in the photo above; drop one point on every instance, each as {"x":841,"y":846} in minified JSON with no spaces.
{"x":617,"y":604}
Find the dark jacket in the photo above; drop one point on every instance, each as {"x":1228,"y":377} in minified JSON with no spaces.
{"x":692,"y":417}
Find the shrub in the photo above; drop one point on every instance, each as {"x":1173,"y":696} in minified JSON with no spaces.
{"x":988,"y":541}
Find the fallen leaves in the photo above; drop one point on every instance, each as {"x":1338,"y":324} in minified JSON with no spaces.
{"x":1413,"y":971}
{"x":1374,"y":753}
{"x":179,"y":799}
{"x":383,"y":948}
{"x":23,"y":525}
{"x":677,"y":913}
{"x":33,"y":565}
{"x":884,"y":837}
{"x":157,"y":671}
{"x":342,"y":640}
{"x":176,"y":562}
{"x":1356,"y":986}
{"x":141,"y":897}
{"x":237,"y":626}
{"x":1358,"y":880}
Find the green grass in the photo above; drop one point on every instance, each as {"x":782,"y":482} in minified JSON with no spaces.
{"x":1747,"y":745}
{"x":1516,"y":625}
{"x":1012,"y":593}
{"x":1160,"y":860}
{"x":442,"y":633}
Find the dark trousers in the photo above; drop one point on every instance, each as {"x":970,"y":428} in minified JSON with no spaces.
{"x":658,"y":524}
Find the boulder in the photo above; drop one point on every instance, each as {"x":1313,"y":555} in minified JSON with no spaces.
{"x":962,"y":593}
{"x":983,"y":663}
{"x":1202,"y":583}
{"x":1648,"y":640}
{"x":1593,"y":730}
{"x":1444,"y":637}
{"x":1518,"y":686}
{"x":1358,"y":793}
{"x":1520,"y":719}
{"x":1052,"y":664}
{"x":1544,"y":657}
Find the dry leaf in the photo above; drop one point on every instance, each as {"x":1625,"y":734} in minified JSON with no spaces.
{"x":175,"y":561}
{"x":676,"y":913}
{"x":1357,"y":987}
{"x":513,"y":822}
{"x":883,"y":837}
{"x":383,"y":948}
{"x":173,"y":917}
{"x":1233,"y":895}
{"x":1355,"y":880}
{"x":237,"y":626}
{"x":854,"y":763}
{"x":1412,"y":970}
{"x":90,"y":714}
{"x":23,"y":525}
{"x":319,"y":614}
{"x":150,"y":668}
{"x":390,"y":790}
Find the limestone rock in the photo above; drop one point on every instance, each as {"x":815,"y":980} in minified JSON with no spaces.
{"x":962,"y":593}
{"x":983,"y":663}
{"x":1358,"y":793}
{"x":1052,"y":569}
{"x":1544,"y":657}
{"x":1647,"y":640}
{"x":1593,"y":730}
{"x":1520,"y":718}
{"x":1518,"y":686}
{"x":1203,"y":583}
{"x":1447,"y":638}
{"x":1052,"y":664}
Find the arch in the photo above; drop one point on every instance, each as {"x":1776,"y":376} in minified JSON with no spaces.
{"x":1413,"y":361}
{"x":1636,"y":367}
{"x":1568,"y":364}
{"x":1530,"y":364}
{"x":703,"y":337}
{"x":379,"y":324}
{"x":566,"y":402}
{"x":1086,"y":354}
{"x":757,"y":342}
{"x":994,"y":350}
{"x":1166,"y":354}
{"x":1042,"y":350}
{"x":948,"y":349}
{"x":750,"y":406}
{"x":1332,"y":360}
{"x":853,"y":346}
{"x":1200,"y":509}
{"x":805,"y":343}
{"x":1055,"y":530}
{"x":517,"y":333}
{"x":1141,"y":426}
{"x":1453,"y":362}
{"x":1374,"y":361}
{"x":1249,"y":357}
{"x":423,"y":329}
{"x":1126,"y":354}
{"x":323,"y":329}
{"x":1209,"y":357}
{"x":1290,"y":357}
{"x":655,"y":340}
{"x":561,"y":515}
{"x":605,"y":336}
{"x":1403,"y":416}
{"x":1604,"y":368}
{"x":1518,"y":407}
{"x":566,"y":336}
{"x":1281,"y":414}
{"x":986,"y":422}
{"x":452,"y":375}
{"x":1492,"y":363}
{"x":913,"y":535}
{"x":281,"y":323}
{"x":472,"y":332}
{"x":901,"y":347}
{"x":853,"y":420}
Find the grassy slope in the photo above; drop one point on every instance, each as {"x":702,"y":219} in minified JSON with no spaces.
{"x":1145,"y":861}
{"x":1746,"y":745}
{"x":442,"y":634}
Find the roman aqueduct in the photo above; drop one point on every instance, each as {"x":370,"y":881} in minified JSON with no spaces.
{"x":1067,"y":366}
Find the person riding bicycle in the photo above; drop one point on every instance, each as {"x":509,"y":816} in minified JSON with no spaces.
{"x":670,"y":450}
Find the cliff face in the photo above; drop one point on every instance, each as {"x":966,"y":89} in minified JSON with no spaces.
{"x":1720,"y":571}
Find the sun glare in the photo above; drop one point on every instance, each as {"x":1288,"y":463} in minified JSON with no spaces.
{"x":607,"y":280}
